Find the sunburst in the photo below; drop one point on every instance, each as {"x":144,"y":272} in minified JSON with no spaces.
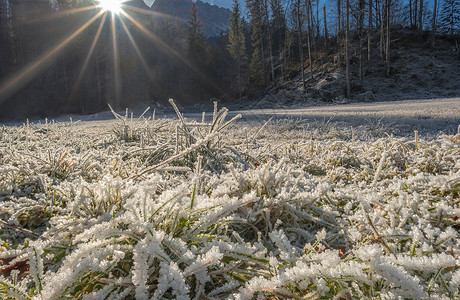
{"x":114,"y":6}
{"x":119,"y":13}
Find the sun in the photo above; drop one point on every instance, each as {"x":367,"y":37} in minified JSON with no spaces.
{"x":113,"y":6}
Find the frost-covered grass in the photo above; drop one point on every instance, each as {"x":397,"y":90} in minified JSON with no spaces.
{"x":171,"y":208}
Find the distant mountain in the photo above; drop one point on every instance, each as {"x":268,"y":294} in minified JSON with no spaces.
{"x":215,"y":19}
{"x":223,"y":3}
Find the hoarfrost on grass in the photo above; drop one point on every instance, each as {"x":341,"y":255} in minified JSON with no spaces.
{"x":180,"y":209}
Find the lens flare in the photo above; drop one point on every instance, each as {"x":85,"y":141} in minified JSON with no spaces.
{"x":113,"y":6}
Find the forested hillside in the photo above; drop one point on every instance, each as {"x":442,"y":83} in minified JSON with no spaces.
{"x":68,"y":56}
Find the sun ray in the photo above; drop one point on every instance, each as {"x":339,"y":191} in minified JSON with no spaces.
{"x":27,"y":73}
{"x":90,"y":54}
{"x":136,"y":48}
{"x":152,"y":13}
{"x":156,"y":40}
{"x":170,"y":52}
{"x":55,"y":15}
{"x":116,"y":61}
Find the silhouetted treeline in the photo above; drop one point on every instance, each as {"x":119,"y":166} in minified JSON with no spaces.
{"x":52,"y":63}
{"x":155,"y":60}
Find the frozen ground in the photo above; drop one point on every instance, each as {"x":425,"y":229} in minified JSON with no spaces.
{"x":400,"y":118}
{"x":339,"y":201}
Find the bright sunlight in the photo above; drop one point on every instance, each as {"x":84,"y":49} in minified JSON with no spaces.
{"x":113,"y":6}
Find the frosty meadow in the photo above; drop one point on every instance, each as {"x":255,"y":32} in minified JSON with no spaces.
{"x":171,"y":208}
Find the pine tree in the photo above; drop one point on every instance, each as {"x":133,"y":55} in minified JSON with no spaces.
{"x":195,"y":37}
{"x":279,"y":26}
{"x":196,"y":55}
{"x":237,"y":43}
{"x":256,"y":69}
{"x":257,"y":65}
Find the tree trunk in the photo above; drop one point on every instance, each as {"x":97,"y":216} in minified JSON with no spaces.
{"x":369,"y":32}
{"x":317,"y":22}
{"x":309,"y":33}
{"x":382,"y":30}
{"x":325,"y":28}
{"x":3,"y":52}
{"x":14,"y":34}
{"x":433,"y":25}
{"x":339,"y":20}
{"x":262,"y":48}
{"x":313,"y":37}
{"x":361,"y":37}
{"x":347,"y":58}
{"x":99,"y":82}
{"x":377,"y":13}
{"x":270,"y":42}
{"x":239,"y":78}
{"x":388,"y":38}
{"x":299,"y":23}
{"x":65,"y":78}
{"x":420,"y":16}
{"x":410,"y":13}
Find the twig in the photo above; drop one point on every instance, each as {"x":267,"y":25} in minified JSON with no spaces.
{"x":23,"y":230}
{"x":260,"y":130}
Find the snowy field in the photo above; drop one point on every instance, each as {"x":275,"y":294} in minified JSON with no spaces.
{"x":339,"y":201}
{"x":399,"y":117}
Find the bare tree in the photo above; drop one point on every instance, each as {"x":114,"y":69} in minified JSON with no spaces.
{"x":317,"y":20}
{"x":325,"y":27}
{"x":433,"y":24}
{"x":382,"y":30}
{"x":347,"y":58}
{"x":300,"y":24}
{"x":410,"y":13}
{"x":361,"y":37}
{"x":309,"y":34}
{"x":387,"y":48}
{"x":369,"y":39}
{"x":313,"y":37}
{"x":339,"y":21}
{"x":420,"y":16}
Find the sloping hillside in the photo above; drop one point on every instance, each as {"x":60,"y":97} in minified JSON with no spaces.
{"x":417,"y":72}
